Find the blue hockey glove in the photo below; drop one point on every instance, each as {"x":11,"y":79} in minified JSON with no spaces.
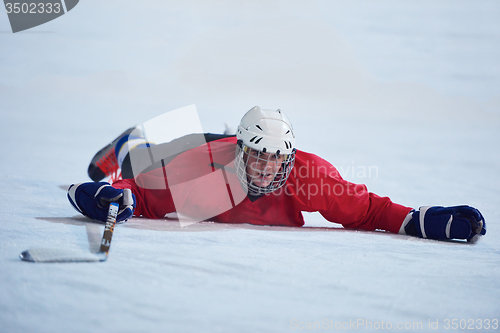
{"x":436,"y":222}
{"x":92,"y":200}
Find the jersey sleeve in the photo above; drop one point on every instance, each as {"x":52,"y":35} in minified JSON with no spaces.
{"x":323,"y":189}
{"x":153,"y":197}
{"x":364,"y":210}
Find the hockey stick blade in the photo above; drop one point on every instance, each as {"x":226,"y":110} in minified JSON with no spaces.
{"x":58,"y":255}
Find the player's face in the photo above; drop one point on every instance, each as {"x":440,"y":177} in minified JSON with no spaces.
{"x":263,"y":167}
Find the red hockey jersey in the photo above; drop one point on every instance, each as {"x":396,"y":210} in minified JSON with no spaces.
{"x":202,"y":184}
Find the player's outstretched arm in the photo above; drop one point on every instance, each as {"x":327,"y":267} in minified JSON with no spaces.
{"x":436,"y":222}
{"x":92,"y":200}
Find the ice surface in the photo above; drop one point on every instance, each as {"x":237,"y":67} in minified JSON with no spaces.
{"x":403,"y":96}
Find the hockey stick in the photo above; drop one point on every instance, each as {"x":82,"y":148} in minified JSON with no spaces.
{"x":58,"y":255}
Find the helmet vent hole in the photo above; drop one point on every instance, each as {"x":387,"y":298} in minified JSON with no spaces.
{"x":286,"y":144}
{"x":251,"y":140}
{"x":259,"y":128}
{"x":287,"y":132}
{"x":258,"y":140}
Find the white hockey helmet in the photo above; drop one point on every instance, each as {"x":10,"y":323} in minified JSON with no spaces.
{"x":270,"y":133}
{"x":266,"y":130}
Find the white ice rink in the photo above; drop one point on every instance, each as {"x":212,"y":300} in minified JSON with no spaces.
{"x":403,"y":96}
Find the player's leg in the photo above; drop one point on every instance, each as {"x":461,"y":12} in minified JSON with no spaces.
{"x":107,"y":162}
{"x":126,"y":156}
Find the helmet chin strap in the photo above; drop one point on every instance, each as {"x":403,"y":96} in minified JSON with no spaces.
{"x":256,"y":192}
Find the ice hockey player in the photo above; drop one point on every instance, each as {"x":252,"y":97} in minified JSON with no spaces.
{"x":256,"y":176}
